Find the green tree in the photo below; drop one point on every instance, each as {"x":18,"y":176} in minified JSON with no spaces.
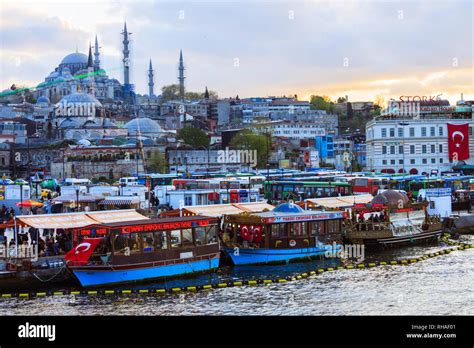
{"x":194,"y":137}
{"x":321,"y":103}
{"x":247,"y":140}
{"x":171,"y":92}
{"x":157,"y":163}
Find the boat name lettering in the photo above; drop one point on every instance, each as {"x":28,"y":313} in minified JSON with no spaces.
{"x":164,"y":226}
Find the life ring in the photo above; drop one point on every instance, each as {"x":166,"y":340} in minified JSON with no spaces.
{"x":257,"y":235}
{"x":292,"y":243}
{"x":245,"y":233}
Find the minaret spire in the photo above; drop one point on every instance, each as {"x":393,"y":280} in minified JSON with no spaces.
{"x":126,"y":52}
{"x":89,"y":59}
{"x":96,"y":54}
{"x":151,"y":84}
{"x":206,"y":94}
{"x":181,"y":75}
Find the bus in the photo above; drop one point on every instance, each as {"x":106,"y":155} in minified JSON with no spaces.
{"x":363,"y":185}
{"x":281,"y":190}
{"x":76,"y":182}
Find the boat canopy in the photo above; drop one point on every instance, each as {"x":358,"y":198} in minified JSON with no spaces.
{"x":339,"y":202}
{"x":218,"y":210}
{"x":78,"y":220}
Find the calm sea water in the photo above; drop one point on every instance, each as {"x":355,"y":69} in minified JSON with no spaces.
{"x":439,"y":286}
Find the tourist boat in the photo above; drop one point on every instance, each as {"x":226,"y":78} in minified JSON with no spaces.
{"x":287,"y":233}
{"x":134,"y":251}
{"x":391,"y":220}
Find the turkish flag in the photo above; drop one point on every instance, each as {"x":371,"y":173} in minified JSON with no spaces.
{"x":81,"y":253}
{"x":458,"y":141}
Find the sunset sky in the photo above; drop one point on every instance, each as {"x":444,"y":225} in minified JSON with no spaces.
{"x":357,"y":48}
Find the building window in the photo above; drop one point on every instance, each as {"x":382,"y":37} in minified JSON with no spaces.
{"x":470,"y":130}
{"x":440,"y":148}
{"x":424,"y":161}
{"x":392,"y":150}
{"x":400,"y":132}
{"x":400,"y":161}
{"x":384,"y":162}
{"x":384,"y":150}
{"x":384,"y":132}
{"x":412,"y":161}
{"x":423,"y":148}
{"x":412,"y":149}
{"x":392,"y":161}
{"x":412,"y":131}
{"x":423,"y":131}
{"x":432,"y":131}
{"x":433,"y":148}
{"x":392,"y":132}
{"x":400,"y":149}
{"x":440,"y":160}
{"x":433,"y":160}
{"x":440,"y":131}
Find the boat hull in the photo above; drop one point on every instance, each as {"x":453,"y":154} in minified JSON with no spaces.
{"x":95,"y":277}
{"x":244,"y":256}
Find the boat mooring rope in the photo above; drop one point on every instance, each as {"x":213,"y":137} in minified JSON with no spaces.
{"x":253,"y":282}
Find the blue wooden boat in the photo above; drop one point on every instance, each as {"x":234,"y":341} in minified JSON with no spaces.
{"x":288,"y":233}
{"x":142,"y":250}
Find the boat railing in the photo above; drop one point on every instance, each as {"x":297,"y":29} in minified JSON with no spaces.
{"x":371,"y":226}
{"x":151,"y":263}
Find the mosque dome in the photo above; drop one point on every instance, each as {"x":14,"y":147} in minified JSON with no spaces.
{"x":75,"y":58}
{"x":143,"y":126}
{"x":80,"y":98}
{"x":288,"y":208}
{"x":68,"y":123}
{"x":42,"y":100}
{"x":390,"y":197}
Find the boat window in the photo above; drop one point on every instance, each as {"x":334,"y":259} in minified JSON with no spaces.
{"x":147,"y":242}
{"x":187,"y":237}
{"x":333,"y":226}
{"x":211,"y":234}
{"x":200,"y":235}
{"x":160,"y":240}
{"x":175,"y":238}
{"x":278,"y":231}
{"x":133,"y":242}
{"x":120,"y":242}
{"x":317,"y":228}
{"x":297,"y":229}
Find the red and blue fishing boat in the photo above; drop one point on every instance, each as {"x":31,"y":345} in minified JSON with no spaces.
{"x":141,"y":250}
{"x":287,"y":233}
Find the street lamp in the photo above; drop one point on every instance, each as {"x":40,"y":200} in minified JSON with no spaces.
{"x":77,"y":199}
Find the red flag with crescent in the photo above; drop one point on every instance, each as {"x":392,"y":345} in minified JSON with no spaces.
{"x":81,"y":252}
{"x":458,"y":141}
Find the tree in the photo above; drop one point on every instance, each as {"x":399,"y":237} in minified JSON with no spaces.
{"x":171,"y":92}
{"x":321,"y":103}
{"x":194,"y":137}
{"x":157,"y":163}
{"x":247,"y":140}
{"x":341,"y":100}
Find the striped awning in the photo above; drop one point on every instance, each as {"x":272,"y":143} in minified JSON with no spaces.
{"x":122,"y":201}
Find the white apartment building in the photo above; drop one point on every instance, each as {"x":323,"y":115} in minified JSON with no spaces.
{"x":416,"y":143}
{"x":290,"y":129}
